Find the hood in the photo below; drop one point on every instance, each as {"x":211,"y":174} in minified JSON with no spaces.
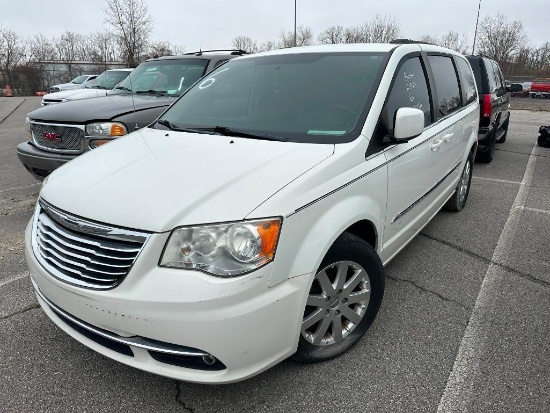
{"x":156,"y":180}
{"x":102,"y":108}
{"x":76,"y":94}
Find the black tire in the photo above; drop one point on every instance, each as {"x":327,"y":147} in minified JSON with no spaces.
{"x":458,"y":201}
{"x":544,"y":141}
{"x":359,"y":260}
{"x":487,"y":155}
{"x":505,"y":128}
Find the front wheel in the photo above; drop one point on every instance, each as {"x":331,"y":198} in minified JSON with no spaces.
{"x":343,"y":300}
{"x":458,"y":201}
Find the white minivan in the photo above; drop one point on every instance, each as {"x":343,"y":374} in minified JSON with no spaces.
{"x":253,"y":219}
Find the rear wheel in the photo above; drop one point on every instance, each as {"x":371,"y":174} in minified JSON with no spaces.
{"x":343,"y":300}
{"x":460,"y":196}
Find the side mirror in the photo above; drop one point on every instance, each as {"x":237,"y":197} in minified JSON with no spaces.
{"x":408,"y":124}
{"x":516,"y":88}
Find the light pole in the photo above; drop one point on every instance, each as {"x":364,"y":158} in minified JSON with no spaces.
{"x":295,"y":23}
{"x":477,"y":21}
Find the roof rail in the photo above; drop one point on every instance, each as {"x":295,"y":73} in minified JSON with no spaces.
{"x":408,"y":41}
{"x":232,"y":51}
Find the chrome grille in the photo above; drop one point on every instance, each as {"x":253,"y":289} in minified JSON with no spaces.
{"x":83,"y":252}
{"x":58,"y":138}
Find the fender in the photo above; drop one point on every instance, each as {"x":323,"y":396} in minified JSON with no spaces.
{"x":307,"y":234}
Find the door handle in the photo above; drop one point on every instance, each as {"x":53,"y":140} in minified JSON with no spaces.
{"x":436,"y":144}
{"x":447,"y":137}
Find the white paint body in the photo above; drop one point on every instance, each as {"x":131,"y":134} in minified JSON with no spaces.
{"x":154,"y":181}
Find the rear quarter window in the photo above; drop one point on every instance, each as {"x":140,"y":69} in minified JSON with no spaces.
{"x":467,"y":81}
{"x":446,"y":83}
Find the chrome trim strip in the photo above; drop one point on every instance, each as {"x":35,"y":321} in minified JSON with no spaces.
{"x":135,"y":341}
{"x":337,"y":189}
{"x":415,"y":203}
{"x":93,"y":228}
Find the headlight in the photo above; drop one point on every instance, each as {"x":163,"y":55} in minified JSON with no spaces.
{"x":225,"y":250}
{"x":28,"y":127}
{"x":105,"y":129}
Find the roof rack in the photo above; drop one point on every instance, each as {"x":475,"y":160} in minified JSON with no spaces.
{"x":408,"y":41}
{"x":232,"y":51}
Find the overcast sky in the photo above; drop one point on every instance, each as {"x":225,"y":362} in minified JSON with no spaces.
{"x":212,"y":24}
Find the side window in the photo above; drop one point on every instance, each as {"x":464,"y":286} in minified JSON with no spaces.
{"x":446,"y":83}
{"x":467,"y":81}
{"x":409,"y":89}
{"x":490,"y":76}
{"x":498,"y":76}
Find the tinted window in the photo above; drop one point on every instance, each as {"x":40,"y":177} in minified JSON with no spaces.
{"x":171,"y":77}
{"x":493,"y":86}
{"x":446,"y":82}
{"x":309,"y":97}
{"x":410,"y":90}
{"x":498,"y":75}
{"x":467,"y":81}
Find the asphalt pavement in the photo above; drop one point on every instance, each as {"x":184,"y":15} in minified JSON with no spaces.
{"x":464,"y":325}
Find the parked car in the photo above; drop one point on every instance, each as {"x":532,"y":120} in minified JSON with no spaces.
{"x":494,"y":102}
{"x":252,"y":220}
{"x":76,"y":83}
{"x":520,"y":89}
{"x":540,"y":88}
{"x":92,"y":89}
{"x":59,"y":133}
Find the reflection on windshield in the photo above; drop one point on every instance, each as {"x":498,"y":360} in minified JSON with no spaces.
{"x":163,"y":77}
{"x":303,"y":97}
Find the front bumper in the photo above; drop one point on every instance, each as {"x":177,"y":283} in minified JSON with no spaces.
{"x":38,"y":162}
{"x":246,"y":325}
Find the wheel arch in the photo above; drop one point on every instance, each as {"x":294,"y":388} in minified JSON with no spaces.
{"x":306,"y":238}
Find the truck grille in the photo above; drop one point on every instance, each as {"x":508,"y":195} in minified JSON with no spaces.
{"x":58,"y":138}
{"x":83,"y":252}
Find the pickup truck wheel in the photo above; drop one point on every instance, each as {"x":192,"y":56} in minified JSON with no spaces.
{"x":505,"y":129}
{"x":458,"y":201}
{"x":343,"y":300}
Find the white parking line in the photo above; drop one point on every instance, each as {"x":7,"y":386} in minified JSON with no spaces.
{"x":13,"y":278}
{"x":459,"y":391}
{"x":497,"y":180}
{"x":538,"y":211}
{"x":20,"y":187}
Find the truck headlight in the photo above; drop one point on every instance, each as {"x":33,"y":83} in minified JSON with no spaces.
{"x":106,"y":129}
{"x":224,"y":250}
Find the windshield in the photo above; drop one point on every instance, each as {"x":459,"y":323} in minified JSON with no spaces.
{"x":107,"y":80}
{"x":310,"y":97}
{"x":166,"y":77}
{"x":79,"y":79}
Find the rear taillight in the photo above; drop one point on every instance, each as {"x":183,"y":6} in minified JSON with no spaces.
{"x":486,"y":108}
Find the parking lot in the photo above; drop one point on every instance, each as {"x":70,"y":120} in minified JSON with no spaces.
{"x":464,"y":324}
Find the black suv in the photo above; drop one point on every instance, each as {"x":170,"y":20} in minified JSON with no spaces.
{"x":59,"y":133}
{"x":494,"y":103}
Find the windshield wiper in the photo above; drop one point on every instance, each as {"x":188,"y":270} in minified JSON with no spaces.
{"x":152,"y":92}
{"x":167,"y":123}
{"x":123,"y":88}
{"x":224,"y":130}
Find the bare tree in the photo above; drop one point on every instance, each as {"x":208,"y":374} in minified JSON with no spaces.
{"x":100,"y":47}
{"x":70,"y":48}
{"x":451,"y":40}
{"x":245,"y":43}
{"x":41,"y":49}
{"x":500,"y":39}
{"x":132,"y":25}
{"x":332,"y":35}
{"x":12,"y":53}
{"x":382,"y":29}
{"x":304,"y":37}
